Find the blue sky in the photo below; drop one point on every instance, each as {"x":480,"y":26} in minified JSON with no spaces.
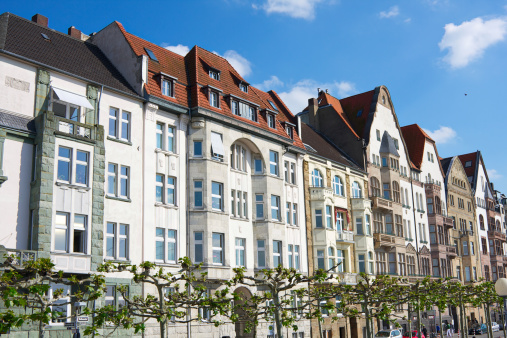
{"x":429,"y":53}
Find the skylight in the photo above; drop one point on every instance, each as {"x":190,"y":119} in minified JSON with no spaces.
{"x":151,"y":54}
{"x":359,"y":113}
{"x":272,"y":105}
{"x":45,"y":36}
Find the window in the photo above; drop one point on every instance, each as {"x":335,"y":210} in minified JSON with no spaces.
{"x":258,"y":165}
{"x":356,"y":190}
{"x":340,"y":260}
{"x":329,"y":220}
{"x":294,"y":214}
{"x":167,"y":87}
{"x":62,"y":305}
{"x":472,"y":249}
{"x":396,"y":143}
{"x":392,"y":263}
{"x":384,"y":162}
{"x":367,"y":224}
{"x":239,"y":204}
{"x":337,"y":186}
{"x":375,"y":186}
{"x":362,"y":266}
{"x":214,"y":74}
{"x":259,"y":206}
{"x":396,"y":192}
{"x":64,"y":164}
{"x":238,"y":157}
{"x":160,"y":136}
{"x":117,"y":243}
{"x":458,"y":272}
{"x":331,"y":259}
{"x":112,"y":179}
{"x":465,"y":248}
{"x":80,"y":225}
{"x":468,"y":164}
{"x":159,"y":244}
{"x":159,"y":188}
{"x":243,"y":87}
{"x":198,"y":247}
{"x":170,"y":139}
{"x":286,"y":171}
{"x":119,"y":124}
{"x":296,"y":257}
{"x":198,"y":194}
{"x":271,"y":121}
{"x":318,"y":218}
{"x":218,"y":248}
{"x":273,"y":163}
{"x":240,"y":252}
{"x":275,"y":208}
{"x":61,"y":231}
{"x":277,"y":253}
{"x":320,"y":259}
{"x":467,"y":273}
{"x":171,"y":190}
{"x":124,"y":182}
{"x":370,"y":262}
{"x":359,"y":225}
{"x":217,"y":194}
{"x":288,"y":208}
{"x":261,"y":253}
{"x":213,"y":99}
{"x":339,"y":221}
{"x":198,"y":148}
{"x":387,"y":191}
{"x":290,"y":251}
{"x":316,"y":178}
{"x":204,"y":311}
{"x":217,"y":147}
{"x":288,"y":129}
{"x":378,"y":135}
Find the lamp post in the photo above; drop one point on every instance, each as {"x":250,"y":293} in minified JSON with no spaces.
{"x":501,"y":290}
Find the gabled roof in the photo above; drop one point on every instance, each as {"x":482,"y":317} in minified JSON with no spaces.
{"x":168,"y":63}
{"x":387,"y":145}
{"x":357,"y":108}
{"x":324,"y":147}
{"x":473,"y":171}
{"x":23,"y":38}
{"x":445,"y":162}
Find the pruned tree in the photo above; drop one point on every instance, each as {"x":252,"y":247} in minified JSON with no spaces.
{"x":283,"y":296}
{"x":175,"y":295}
{"x":25,"y":292}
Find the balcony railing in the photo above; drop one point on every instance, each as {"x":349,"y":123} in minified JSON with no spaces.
{"x":360,"y":203}
{"x":19,"y":257}
{"x":320,"y":193}
{"x":74,"y":128}
{"x":347,"y":277}
{"x":345,"y":236}
{"x":388,"y":240}
{"x":382,"y":203}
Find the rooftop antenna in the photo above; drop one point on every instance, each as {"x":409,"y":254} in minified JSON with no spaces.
{"x":327,"y":92}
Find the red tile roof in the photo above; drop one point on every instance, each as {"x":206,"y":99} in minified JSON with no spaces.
{"x":470,"y":171}
{"x":192,"y":72}
{"x":353,"y":104}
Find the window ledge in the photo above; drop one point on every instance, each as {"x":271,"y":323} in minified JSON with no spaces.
{"x":76,"y":254}
{"x":158,"y":150}
{"x":122,"y":199}
{"x":239,"y":171}
{"x":114,"y":260}
{"x":119,"y":140}
{"x":167,"y":206}
{"x":287,"y":184}
{"x":165,"y":264}
{"x":220,"y":212}
{"x":236,"y":218}
{"x":72,"y":186}
{"x":290,"y":226}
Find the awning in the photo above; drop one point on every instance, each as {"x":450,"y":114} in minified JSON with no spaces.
{"x":69,"y":97}
{"x":217,"y":146}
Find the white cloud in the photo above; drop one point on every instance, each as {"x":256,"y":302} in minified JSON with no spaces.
{"x":391,"y":13}
{"x":468,"y":41}
{"x":272,"y":83}
{"x":242,"y":65}
{"x":442,"y":135}
{"x":178,"y":49}
{"x":494,"y":174}
{"x":296,"y":97}
{"x":300,"y":9}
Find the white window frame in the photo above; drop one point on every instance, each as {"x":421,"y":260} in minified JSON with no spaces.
{"x":290,"y":254}
{"x":171,"y":134}
{"x":217,"y":154}
{"x":161,"y":186}
{"x":297,"y":263}
{"x":273,"y":164}
{"x":159,"y":130}
{"x":171,"y":186}
{"x":317,"y":179}
{"x":68,"y":306}
{"x":113,"y":121}
{"x":277,"y":252}
{"x":337,"y":185}
{"x":126,"y":121}
{"x":240,"y":249}
{"x":197,"y":154}
{"x":214,"y":99}
{"x":271,"y":121}
{"x":198,"y":190}
{"x":167,"y":87}
{"x":65,"y":159}
{"x":65,"y":227}
{"x":218,"y":249}
{"x":174,"y":242}
{"x":275,"y":208}
{"x":112,"y":176}
{"x":261,"y":249}
{"x":85,"y":164}
{"x":329,"y":217}
{"x":125,"y":178}
{"x":294,"y":214}
{"x":319,"y":221}
{"x":259,"y":206}
{"x":219,"y":197}
{"x":198,"y":243}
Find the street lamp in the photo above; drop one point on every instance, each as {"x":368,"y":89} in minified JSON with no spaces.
{"x":501,"y":290}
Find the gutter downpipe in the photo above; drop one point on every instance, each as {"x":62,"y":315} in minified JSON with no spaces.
{"x":189,"y":327}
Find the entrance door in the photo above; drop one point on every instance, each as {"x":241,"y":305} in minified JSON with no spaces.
{"x":240,"y":325}
{"x":353,"y":328}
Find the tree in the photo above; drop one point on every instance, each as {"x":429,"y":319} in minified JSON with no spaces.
{"x":27,"y":286}
{"x":283,"y":296}
{"x":176,"y":295}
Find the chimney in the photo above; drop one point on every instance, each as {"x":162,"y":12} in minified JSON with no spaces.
{"x":40,"y":19}
{"x":74,"y":32}
{"x":313,"y":117}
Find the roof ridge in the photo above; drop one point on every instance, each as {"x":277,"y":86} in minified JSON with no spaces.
{"x":275,"y":94}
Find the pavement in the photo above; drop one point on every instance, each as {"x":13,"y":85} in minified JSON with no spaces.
{"x":498,"y":334}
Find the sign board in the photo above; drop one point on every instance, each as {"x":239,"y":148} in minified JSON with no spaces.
{"x":71,"y":325}
{"x":83,"y":319}
{"x":431,"y":317}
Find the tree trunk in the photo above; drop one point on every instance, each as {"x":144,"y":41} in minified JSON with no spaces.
{"x":440,"y":320}
{"x":419,"y":333}
{"x":163,"y":320}
{"x":409,"y":321}
{"x":367,"y":318}
{"x":278,"y":323}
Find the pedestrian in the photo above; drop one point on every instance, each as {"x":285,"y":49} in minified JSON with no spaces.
{"x":425,"y":331}
{"x":452,"y":329}
{"x":438,"y":329}
{"x":448,"y":333}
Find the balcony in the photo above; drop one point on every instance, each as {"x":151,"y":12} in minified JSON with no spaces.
{"x":360,"y":203}
{"x":382,"y":203}
{"x":388,"y":240}
{"x":346,"y":278}
{"x":345,"y":236}
{"x":19,"y":257}
{"x":320,"y":193}
{"x":76,"y":129}
{"x":496,"y":234}
{"x":496,"y":258}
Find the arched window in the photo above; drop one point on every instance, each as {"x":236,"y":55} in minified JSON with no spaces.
{"x":396,"y":192}
{"x":356,"y":190}
{"x":316,"y":178}
{"x":337,"y":185}
{"x":239,"y":157}
{"x":375,"y":186}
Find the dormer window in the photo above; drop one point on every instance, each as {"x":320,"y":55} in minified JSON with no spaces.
{"x":288,"y":129}
{"x":243,"y":87}
{"x":243,"y":109}
{"x":214,"y":74}
{"x":235,"y":107}
{"x":273,"y":105}
{"x":167,"y":87}
{"x":271,"y":121}
{"x":213,"y":99}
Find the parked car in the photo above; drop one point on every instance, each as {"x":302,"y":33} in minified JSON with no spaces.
{"x":414,"y":334}
{"x":495,"y":327}
{"x":478,"y":329}
{"x":389,"y":333}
